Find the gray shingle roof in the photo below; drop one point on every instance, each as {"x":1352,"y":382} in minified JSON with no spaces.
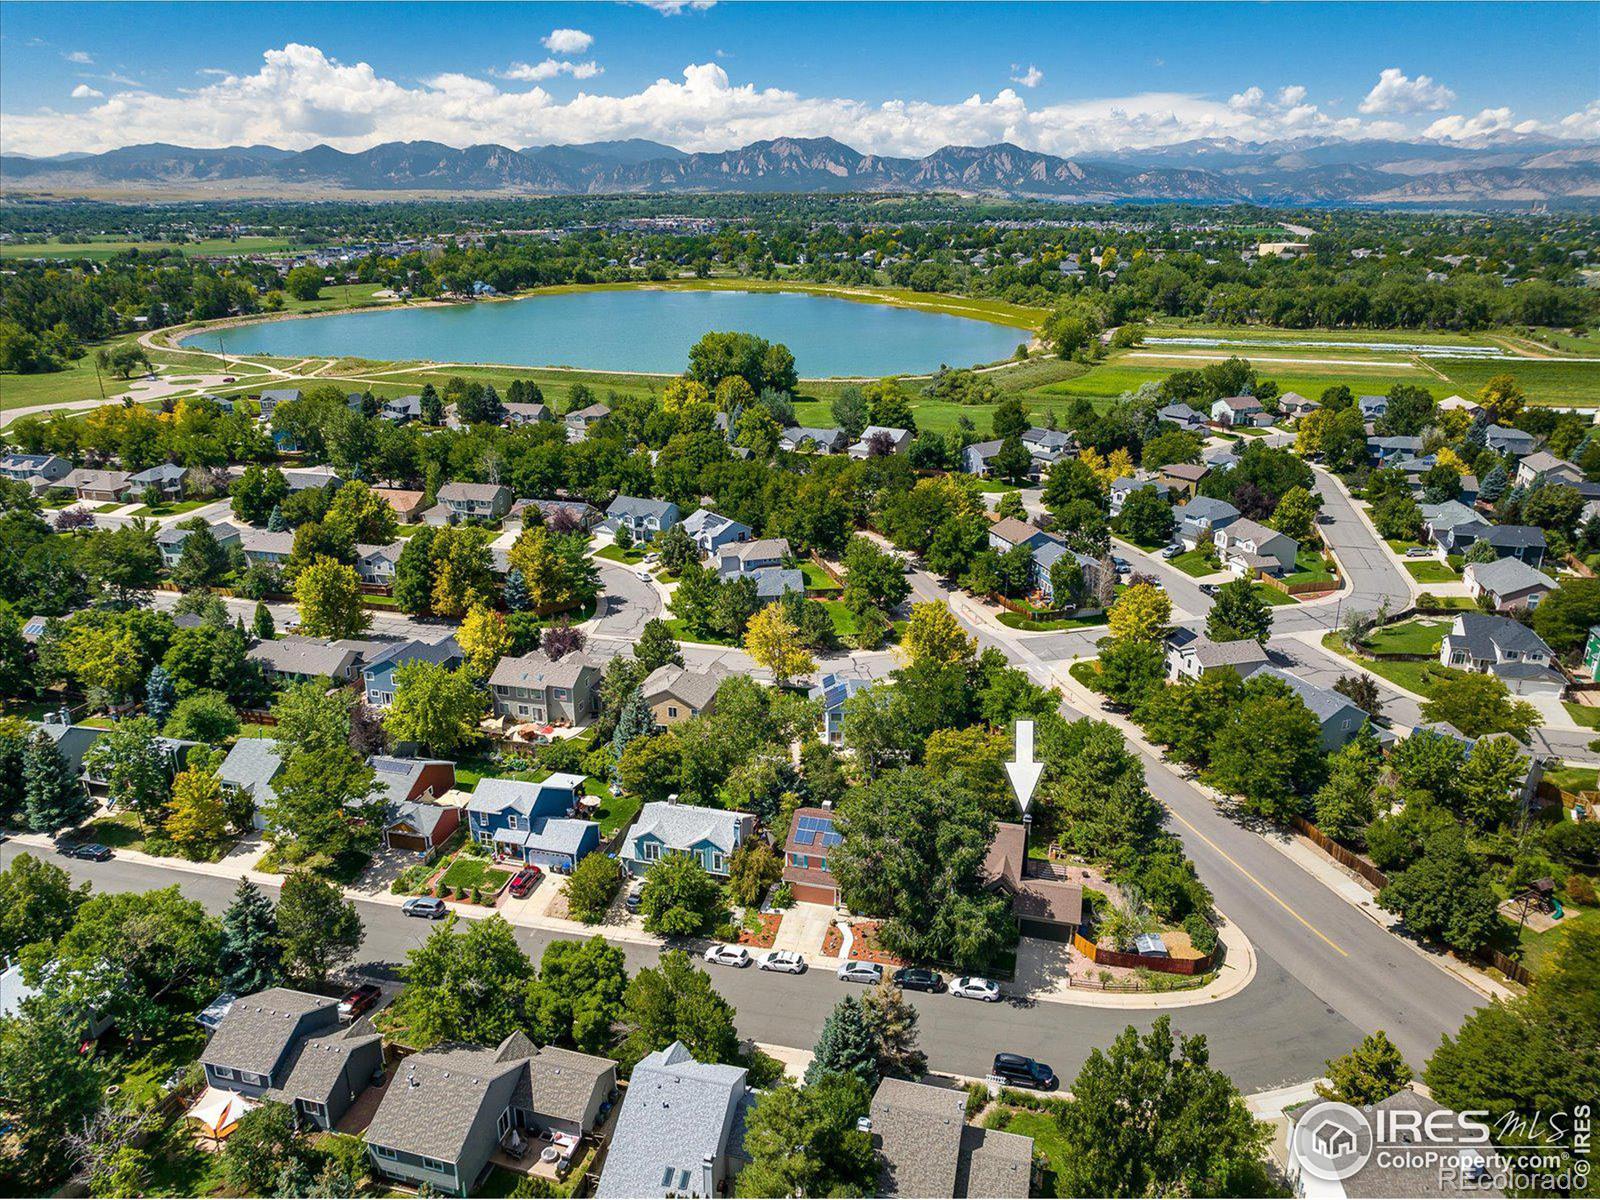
{"x":320,"y":1062}
{"x":1324,"y":703}
{"x":1508,"y":575}
{"x":433,"y":1101}
{"x":994,"y":1164}
{"x":673,"y":1116}
{"x":917,"y":1130}
{"x":1243,"y":652}
{"x":1481,"y":633}
{"x":259,"y":1029}
{"x":251,"y":765}
{"x":536,"y":670}
{"x":560,"y":1083}
{"x":680,"y":826}
{"x":477,"y":492}
{"x":302,"y":656}
{"x":635,"y":506}
{"x":695,"y":688}
{"x":774,"y":582}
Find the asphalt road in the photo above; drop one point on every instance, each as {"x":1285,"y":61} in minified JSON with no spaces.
{"x":1276,"y":1032}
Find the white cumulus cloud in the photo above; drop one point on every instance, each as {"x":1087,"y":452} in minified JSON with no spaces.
{"x":549,"y":69}
{"x":1031,"y":78}
{"x":84,"y":92}
{"x":1457,"y":127}
{"x":299,"y":96}
{"x":568,"y":41}
{"x":1396,"y":93}
{"x":671,"y":8}
{"x":82,"y":57}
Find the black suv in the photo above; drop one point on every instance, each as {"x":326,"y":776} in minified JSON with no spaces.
{"x":1025,"y":1072}
{"x":918,"y":979}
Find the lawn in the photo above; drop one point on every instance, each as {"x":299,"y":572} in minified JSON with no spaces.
{"x":178,"y":1166}
{"x":996,"y":485}
{"x":467,"y":872}
{"x":1431,"y":570}
{"x":1087,"y":673}
{"x":1583,"y":714}
{"x":844,"y":622}
{"x":1574,"y":779}
{"x":1026,"y":624}
{"x":1272,"y":595}
{"x":1574,"y":383}
{"x":1538,"y":947}
{"x":1049,"y":1144}
{"x":818,"y":580}
{"x":1410,"y":637}
{"x":631,"y":556}
{"x":615,"y":812}
{"x":1309,"y":568}
{"x":170,"y":510}
{"x":1414,"y":677}
{"x":1198,"y":563}
{"x":121,"y":832}
{"x":680,"y":634}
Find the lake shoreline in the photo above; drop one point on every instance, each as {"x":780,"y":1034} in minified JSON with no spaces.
{"x":947,"y":308}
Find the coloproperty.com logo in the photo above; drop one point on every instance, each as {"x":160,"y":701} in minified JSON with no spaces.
{"x":1332,"y":1141}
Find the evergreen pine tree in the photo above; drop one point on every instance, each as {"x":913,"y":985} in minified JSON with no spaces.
{"x":51,"y":797}
{"x":159,"y":694}
{"x":264,"y":627}
{"x":1493,"y":485}
{"x":846,"y":1045}
{"x":635,"y":721}
{"x":275,"y":521}
{"x":656,"y":647}
{"x":515,"y":591}
{"x":893,"y":1022}
{"x":250,"y":955}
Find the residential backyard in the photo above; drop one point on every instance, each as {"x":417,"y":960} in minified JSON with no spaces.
{"x":1199,"y":562}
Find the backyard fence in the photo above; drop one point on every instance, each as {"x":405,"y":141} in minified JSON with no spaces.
{"x":1341,"y":854}
{"x":1150,"y":962}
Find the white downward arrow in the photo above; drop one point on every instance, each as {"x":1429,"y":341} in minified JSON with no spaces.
{"x":1024,"y":771}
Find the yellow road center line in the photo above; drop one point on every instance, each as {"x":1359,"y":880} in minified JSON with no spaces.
{"x":1274,"y":895}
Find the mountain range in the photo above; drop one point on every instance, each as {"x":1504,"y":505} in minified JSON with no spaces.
{"x":1308,"y":170}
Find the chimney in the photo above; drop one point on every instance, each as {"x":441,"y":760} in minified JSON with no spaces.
{"x":708,"y":1175}
{"x":1027,"y":834}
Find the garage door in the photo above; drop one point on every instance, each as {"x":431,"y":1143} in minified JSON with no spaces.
{"x":408,"y":841}
{"x":814,"y":893}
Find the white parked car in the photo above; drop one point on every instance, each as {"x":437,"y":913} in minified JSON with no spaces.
{"x":855,"y":971}
{"x":973,"y":987}
{"x":727,"y":955}
{"x":787,"y":961}
{"x":1419,"y":552}
{"x":1171,"y":552}
{"x":644,"y":575}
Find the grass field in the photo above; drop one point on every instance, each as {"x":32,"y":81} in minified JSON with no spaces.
{"x":1420,"y":636}
{"x":1273,"y":596}
{"x":1026,"y":624}
{"x":1538,"y":947}
{"x":1309,"y":568}
{"x":1583,"y":714}
{"x":105,"y":249}
{"x":1562,"y":383}
{"x":630,"y":556}
{"x":1414,"y":677}
{"x":76,"y":382}
{"x":468,"y":872}
{"x":1431,"y":570}
{"x":1197,"y":563}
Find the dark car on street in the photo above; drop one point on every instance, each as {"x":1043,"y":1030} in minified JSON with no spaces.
{"x":918,"y":979}
{"x":1025,"y":1072}
{"x":522,"y":883}
{"x":90,"y":851}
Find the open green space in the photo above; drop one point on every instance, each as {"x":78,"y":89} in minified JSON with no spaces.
{"x":171,"y":510}
{"x":1415,"y":677}
{"x":1419,"y":636}
{"x":1027,"y":624}
{"x":1273,"y":596}
{"x":1585,"y":715}
{"x":1374,"y":337}
{"x":1198,"y":563}
{"x":76,"y":381}
{"x":1564,"y":383}
{"x":1574,"y":779}
{"x":818,"y":580}
{"x":468,"y":872}
{"x":614,"y":552}
{"x":106,"y":248}
{"x":1309,"y":567}
{"x":1431,"y":570}
{"x":335,"y":296}
{"x":1537,"y":948}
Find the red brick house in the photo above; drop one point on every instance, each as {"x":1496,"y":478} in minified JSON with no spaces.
{"x":805,"y":856}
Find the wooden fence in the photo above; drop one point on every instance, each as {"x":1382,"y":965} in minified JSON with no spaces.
{"x":1341,"y":854}
{"x":1150,"y":962}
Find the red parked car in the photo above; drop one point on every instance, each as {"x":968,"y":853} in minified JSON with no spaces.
{"x":359,"y":1000}
{"x":522,"y":883}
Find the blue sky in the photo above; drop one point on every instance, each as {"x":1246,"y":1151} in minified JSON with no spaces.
{"x":1069,"y":78}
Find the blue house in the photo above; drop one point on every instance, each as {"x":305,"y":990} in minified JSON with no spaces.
{"x":532,"y":823}
{"x":833,"y":691}
{"x":666,"y":827}
{"x":377,"y":675}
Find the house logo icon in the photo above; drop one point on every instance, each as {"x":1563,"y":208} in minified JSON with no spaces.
{"x":1331,"y":1141}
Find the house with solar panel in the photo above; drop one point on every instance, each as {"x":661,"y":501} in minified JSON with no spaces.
{"x":833,"y":691}
{"x":805,"y":856}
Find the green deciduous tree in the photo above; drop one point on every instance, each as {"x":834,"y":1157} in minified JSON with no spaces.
{"x":435,"y":707}
{"x":1194,"y":1136}
{"x":1269,"y":750}
{"x":679,"y":897}
{"x":37,"y":903}
{"x":577,"y":998}
{"x":468,"y":985}
{"x":1238,"y":612}
{"x":1478,"y":704}
{"x":591,"y":886}
{"x":1444,"y":893}
{"x":805,"y":1141}
{"x":328,"y":594}
{"x":1372,"y":1072}
{"x":136,"y":768}
{"x":319,"y":931}
{"x":675,"y":1002}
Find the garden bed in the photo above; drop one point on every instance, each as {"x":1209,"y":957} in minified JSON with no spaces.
{"x":863,"y":944}
{"x":766,"y":933}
